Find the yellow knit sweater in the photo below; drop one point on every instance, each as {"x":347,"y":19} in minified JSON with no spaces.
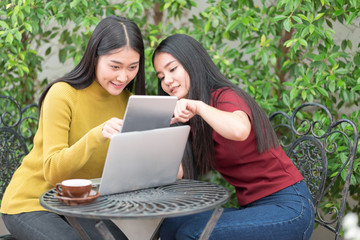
{"x":68,"y":143}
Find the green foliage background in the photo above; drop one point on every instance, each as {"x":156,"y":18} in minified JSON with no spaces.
{"x":281,"y":52}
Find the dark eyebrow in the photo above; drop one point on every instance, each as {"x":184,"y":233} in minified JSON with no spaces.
{"x":166,"y":65}
{"x":117,"y":62}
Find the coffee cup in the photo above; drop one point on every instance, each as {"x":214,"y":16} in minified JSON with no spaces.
{"x":74,"y":188}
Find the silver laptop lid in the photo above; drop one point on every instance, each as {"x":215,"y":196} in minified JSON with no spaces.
{"x":143,"y":159}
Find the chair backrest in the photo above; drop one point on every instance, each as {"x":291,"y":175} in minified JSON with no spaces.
{"x":17,"y":129}
{"x":323,"y":149}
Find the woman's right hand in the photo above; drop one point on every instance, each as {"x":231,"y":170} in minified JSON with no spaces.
{"x":112,"y":127}
{"x":185,"y":109}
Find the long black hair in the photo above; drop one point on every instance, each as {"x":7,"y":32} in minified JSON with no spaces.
{"x":205,"y":77}
{"x":111,"y":33}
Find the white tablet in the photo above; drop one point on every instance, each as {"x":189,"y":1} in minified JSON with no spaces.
{"x":148,"y":112}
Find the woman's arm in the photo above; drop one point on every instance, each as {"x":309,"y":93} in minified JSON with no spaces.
{"x":231,"y":125}
{"x":63,"y":160}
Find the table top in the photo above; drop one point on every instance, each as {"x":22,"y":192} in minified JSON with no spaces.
{"x":180,"y":198}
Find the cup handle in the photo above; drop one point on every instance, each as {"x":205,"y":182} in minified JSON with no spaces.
{"x":58,"y":188}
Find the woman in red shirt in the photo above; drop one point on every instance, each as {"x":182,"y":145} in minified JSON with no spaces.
{"x":231,"y":134}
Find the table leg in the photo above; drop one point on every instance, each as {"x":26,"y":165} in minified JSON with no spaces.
{"x":77,"y":227}
{"x":104,"y":231}
{"x":156,"y":234}
{"x":211,"y":223}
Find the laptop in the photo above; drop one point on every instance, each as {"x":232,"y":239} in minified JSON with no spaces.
{"x":143,"y":159}
{"x":148,"y":112}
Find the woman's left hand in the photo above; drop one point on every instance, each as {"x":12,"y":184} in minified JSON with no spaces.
{"x":180,"y":172}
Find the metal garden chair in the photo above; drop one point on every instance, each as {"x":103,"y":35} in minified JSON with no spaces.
{"x":323,"y":149}
{"x":17,"y":129}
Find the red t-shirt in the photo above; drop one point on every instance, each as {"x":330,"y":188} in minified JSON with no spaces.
{"x":253,"y":175}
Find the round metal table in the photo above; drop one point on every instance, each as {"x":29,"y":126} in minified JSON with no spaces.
{"x":183,"y":197}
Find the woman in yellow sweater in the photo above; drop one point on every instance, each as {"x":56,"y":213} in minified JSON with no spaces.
{"x":79,"y":113}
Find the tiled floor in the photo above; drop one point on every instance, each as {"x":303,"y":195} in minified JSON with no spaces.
{"x":321,"y":233}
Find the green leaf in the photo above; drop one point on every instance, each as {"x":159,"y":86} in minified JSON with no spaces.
{"x":297,"y":19}
{"x":4,"y":25}
{"x":342,"y":71}
{"x":340,"y":83}
{"x":286,"y":100}
{"x":287,"y":24}
{"x":303,"y":42}
{"x":48,"y":51}
{"x":289,"y":42}
{"x":273,"y":59}
{"x":349,"y":44}
{"x":343,"y":44}
{"x":232,"y":24}
{"x":279,"y":17}
{"x":320,"y":57}
{"x":207,"y":26}
{"x":305,"y":31}
{"x":266,"y":90}
{"x":350,"y":18}
{"x":9,"y":38}
{"x":18,"y":36}
{"x":331,"y":61}
{"x":332,"y":86}
{"x":293,"y":94}
{"x":319,"y":16}
{"x":356,"y":88}
{"x":329,"y":23}
{"x":245,"y":21}
{"x":357,"y":59}
{"x":28,"y":26}
{"x":167,"y":4}
{"x":311,"y":28}
{"x":74,"y":3}
{"x":20,"y":71}
{"x":25,"y":68}
{"x":250,"y":50}
{"x":303,"y":95}
{"x":310,"y":98}
{"x":265,"y":57}
{"x":339,"y":12}
{"x":62,"y":55}
{"x":322,"y":91}
{"x":331,"y":78}
{"x":303,"y":17}
{"x":85,"y":3}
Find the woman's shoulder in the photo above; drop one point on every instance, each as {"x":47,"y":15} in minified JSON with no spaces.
{"x":62,"y":90}
{"x":224,"y":92}
{"x":230,"y":99}
{"x":61,"y":86}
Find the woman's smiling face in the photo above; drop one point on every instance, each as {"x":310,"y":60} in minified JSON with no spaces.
{"x":175,"y":81}
{"x":114,"y":71}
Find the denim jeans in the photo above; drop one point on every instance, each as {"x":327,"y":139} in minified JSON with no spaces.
{"x":284,"y":215}
{"x":44,"y":225}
